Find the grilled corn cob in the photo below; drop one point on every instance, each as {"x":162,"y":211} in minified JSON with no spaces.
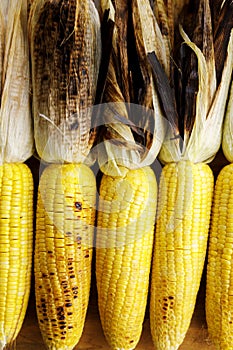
{"x":16,"y":182}
{"x":125,"y":236}
{"x":128,"y":189}
{"x":63,"y":252}
{"x":219,"y":305}
{"x":186,"y":187}
{"x":184,"y":203}
{"x":16,"y":212}
{"x":65,"y":55}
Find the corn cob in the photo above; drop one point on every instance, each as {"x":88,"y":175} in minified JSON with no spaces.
{"x":124,"y":248}
{"x":186,"y":185}
{"x":184,"y":203}
{"x":65,"y":62}
{"x":16,"y":182}
{"x":16,"y":193}
{"x":219,"y":306}
{"x":128,"y":188}
{"x":63,"y":252}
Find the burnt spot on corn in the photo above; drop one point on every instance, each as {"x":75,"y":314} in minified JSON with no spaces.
{"x":68,"y":304}
{"x":78,"y":206}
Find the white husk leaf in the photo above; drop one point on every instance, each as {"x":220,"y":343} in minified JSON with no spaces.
{"x":205,"y":138}
{"x":152,"y":36}
{"x":2,"y":45}
{"x":16,"y":136}
{"x":227,"y":141}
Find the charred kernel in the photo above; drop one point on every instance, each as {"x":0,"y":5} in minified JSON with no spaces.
{"x":79,"y":238}
{"x":43,"y":305}
{"x":62,"y":327}
{"x":53,"y":320}
{"x":70,"y":268}
{"x":44,"y":275}
{"x":75,"y":296}
{"x":76,"y":287}
{"x":70,"y":327}
{"x":41,"y":321}
{"x":61,"y":318}
{"x":63,"y":333}
{"x":50,"y":252}
{"x":62,"y":322}
{"x":72,"y":276}
{"x":40,"y":287}
{"x":75,"y":292}
{"x":87,"y":256}
{"x":50,"y":338}
{"x":69,"y":233}
{"x":69,"y":313}
{"x":60,"y":308}
{"x":78,"y":206}
{"x":44,"y":314}
{"x":52,"y":273}
{"x":68,"y":304}
{"x":42,"y":300}
{"x":63,"y":337}
{"x":170,"y":297}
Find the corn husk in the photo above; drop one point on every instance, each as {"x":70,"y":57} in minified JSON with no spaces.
{"x":16,"y":135}
{"x":227,"y":141}
{"x":202,"y":139}
{"x":134,"y":122}
{"x":65,"y":44}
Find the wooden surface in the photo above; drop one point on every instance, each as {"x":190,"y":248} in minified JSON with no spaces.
{"x":93,"y":338}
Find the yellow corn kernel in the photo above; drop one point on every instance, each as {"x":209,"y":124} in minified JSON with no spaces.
{"x":180,"y":249}
{"x":16,"y":243}
{"x":219,"y":284}
{"x":125,"y":232}
{"x":63,"y":252}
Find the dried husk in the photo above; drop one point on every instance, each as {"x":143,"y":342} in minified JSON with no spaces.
{"x":16,"y":135}
{"x":227,"y":141}
{"x":203,"y":141}
{"x":65,"y":43}
{"x":2,"y":45}
{"x":131,"y":117}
